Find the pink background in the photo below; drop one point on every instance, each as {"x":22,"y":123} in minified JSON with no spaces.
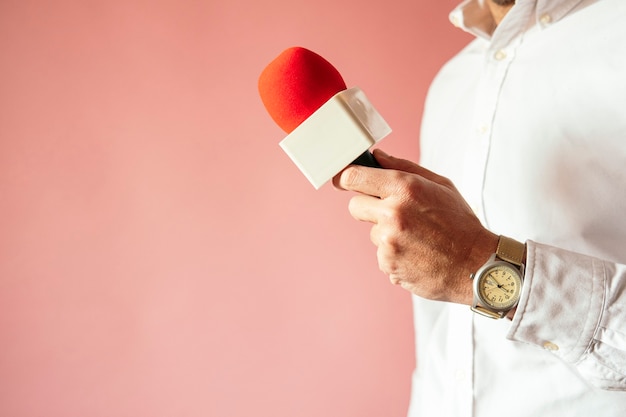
{"x":159,"y":254}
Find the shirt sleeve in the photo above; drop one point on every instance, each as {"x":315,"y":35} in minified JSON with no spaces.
{"x":575,"y":306}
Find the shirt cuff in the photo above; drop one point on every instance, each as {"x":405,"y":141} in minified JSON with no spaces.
{"x":561,"y":304}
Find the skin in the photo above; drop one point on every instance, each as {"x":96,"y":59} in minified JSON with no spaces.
{"x":428,"y":239}
{"x":499,"y":8}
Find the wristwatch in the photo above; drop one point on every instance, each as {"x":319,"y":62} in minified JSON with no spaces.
{"x":498,"y":283}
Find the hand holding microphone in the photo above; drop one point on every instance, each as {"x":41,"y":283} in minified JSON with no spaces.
{"x":328,"y":126}
{"x":428,"y":239}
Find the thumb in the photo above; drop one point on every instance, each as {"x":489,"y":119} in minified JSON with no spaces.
{"x":398,"y":164}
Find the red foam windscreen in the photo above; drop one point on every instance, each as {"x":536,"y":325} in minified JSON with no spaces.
{"x":295,"y":84}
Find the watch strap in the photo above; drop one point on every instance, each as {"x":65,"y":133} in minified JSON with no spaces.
{"x":510,"y":250}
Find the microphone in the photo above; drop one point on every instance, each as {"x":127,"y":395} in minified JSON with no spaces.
{"x":329,"y":126}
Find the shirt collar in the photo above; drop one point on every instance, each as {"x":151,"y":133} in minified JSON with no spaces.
{"x":473,"y":16}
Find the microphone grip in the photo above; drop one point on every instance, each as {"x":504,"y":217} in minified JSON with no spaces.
{"x":366,"y":159}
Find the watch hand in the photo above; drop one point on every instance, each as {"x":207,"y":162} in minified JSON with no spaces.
{"x":494,"y":279}
{"x":503,"y":290}
{"x":500,"y":286}
{"x":491,"y":280}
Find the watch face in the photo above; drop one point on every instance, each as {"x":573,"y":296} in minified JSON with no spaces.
{"x":500,"y":286}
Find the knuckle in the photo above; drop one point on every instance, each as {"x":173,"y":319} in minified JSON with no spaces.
{"x":353,"y":204}
{"x":394,"y":280}
{"x":388,"y":214}
{"x":396,"y":217}
{"x":374,"y":235}
{"x":412,"y":187}
{"x":388,"y":258}
{"x":446,"y":182}
{"x":389,"y":243}
{"x":392,"y":209}
{"x":390,"y":269}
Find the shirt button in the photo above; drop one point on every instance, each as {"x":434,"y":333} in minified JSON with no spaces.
{"x":500,"y":55}
{"x":545,"y":19}
{"x":550,"y":346}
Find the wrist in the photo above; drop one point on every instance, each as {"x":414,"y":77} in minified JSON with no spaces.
{"x":482,"y":248}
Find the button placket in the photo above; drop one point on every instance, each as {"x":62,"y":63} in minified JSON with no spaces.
{"x":485,"y":107}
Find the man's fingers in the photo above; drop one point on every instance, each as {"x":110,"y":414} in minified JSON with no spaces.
{"x":391,"y":162}
{"x":383,"y":183}
{"x":364,"y":208}
{"x":366,"y":180}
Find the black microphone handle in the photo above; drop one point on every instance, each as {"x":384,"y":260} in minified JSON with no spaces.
{"x":366,"y":159}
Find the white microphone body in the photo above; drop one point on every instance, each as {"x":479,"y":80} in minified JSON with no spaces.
{"x":336,"y":134}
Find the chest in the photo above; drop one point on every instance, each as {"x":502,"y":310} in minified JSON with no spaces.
{"x":536,"y":142}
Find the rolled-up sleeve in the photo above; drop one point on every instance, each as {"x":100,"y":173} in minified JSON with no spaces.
{"x":575,"y":306}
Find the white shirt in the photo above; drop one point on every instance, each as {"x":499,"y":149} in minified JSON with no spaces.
{"x":530,"y":123}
